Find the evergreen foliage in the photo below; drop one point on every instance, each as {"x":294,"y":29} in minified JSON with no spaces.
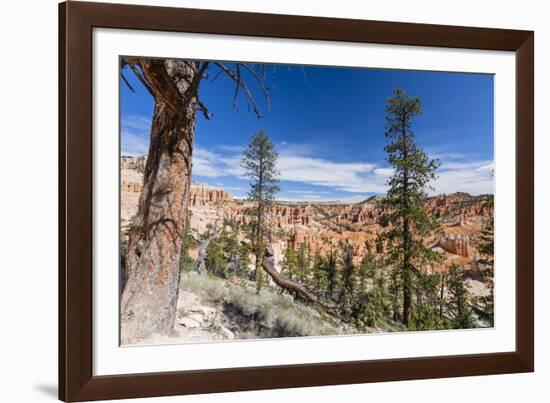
{"x":290,"y":264}
{"x":459,"y":308}
{"x":487,"y":265}
{"x":428,"y":313}
{"x":408,"y":221}
{"x":259,"y":161}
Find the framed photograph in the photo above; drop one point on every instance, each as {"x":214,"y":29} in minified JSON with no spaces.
{"x":252,"y":201}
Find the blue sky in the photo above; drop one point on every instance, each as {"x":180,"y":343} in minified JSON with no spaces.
{"x":327,"y":124}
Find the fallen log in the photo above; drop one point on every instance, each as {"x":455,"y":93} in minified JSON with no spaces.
{"x":290,"y":285}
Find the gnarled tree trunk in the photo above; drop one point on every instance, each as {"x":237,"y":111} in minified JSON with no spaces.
{"x":150,"y":295}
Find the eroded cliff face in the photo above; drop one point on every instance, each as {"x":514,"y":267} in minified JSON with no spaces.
{"x":131,"y":183}
{"x":324,"y":225}
{"x":203,"y":195}
{"x":456,"y":244}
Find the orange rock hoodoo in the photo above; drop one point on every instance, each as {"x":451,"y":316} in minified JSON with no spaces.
{"x":456,"y":244}
{"x":202,"y":195}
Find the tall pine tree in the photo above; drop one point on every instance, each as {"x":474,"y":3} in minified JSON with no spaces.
{"x":412,"y":171}
{"x":348,"y":275}
{"x":259,"y":161}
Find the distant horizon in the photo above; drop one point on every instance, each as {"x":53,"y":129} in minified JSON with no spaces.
{"x":303,"y":201}
{"x":327,"y":124}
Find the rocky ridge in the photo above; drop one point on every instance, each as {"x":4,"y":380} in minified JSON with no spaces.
{"x":323,"y":225}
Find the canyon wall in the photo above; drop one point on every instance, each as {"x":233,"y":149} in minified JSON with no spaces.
{"x":199,"y":194}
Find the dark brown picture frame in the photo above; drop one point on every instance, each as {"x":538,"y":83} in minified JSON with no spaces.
{"x":76,"y":23}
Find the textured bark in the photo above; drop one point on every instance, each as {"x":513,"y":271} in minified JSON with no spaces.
{"x":293,"y":286}
{"x":152,"y":271}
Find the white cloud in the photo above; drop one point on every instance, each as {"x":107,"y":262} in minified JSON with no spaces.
{"x":324,"y":198}
{"x":321,"y":172}
{"x":385,"y":172}
{"x":135,"y":134}
{"x":471,"y":177}
{"x":297,"y":163}
{"x":205,"y":164}
{"x":137,"y":123}
{"x":228,"y":148}
{"x":487,"y":168}
{"x":456,"y":173}
{"x":202,"y":167}
{"x":133,"y":144}
{"x":307,"y":192}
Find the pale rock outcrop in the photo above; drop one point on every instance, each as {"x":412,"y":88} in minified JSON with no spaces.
{"x":456,"y":244}
{"x":202,"y":195}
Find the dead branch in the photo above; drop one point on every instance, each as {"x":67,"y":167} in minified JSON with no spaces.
{"x":235,"y":76}
{"x":234,"y":73}
{"x":140,"y":77}
{"x":293,"y":286}
{"x":126,"y":81}
{"x":265,"y":90}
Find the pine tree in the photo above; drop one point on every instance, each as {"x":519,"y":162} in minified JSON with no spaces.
{"x":290,"y":263}
{"x":428,"y":315}
{"x":412,"y":172}
{"x":243,"y":262}
{"x":303,"y":263}
{"x":367,"y":271}
{"x":259,"y":161}
{"x":487,"y":262}
{"x":369,"y":305}
{"x":347,"y":270}
{"x":320,"y":275}
{"x":332,"y":278}
{"x":459,"y":308}
{"x":216,"y":261}
{"x":395,"y":290}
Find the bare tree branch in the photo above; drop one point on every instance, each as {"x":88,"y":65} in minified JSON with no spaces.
{"x":140,"y":77}
{"x":193,"y":89}
{"x":237,"y":88}
{"x":242,"y":84}
{"x":219,"y":73}
{"x":260,"y":81}
{"x":293,"y":286}
{"x":235,"y":74}
{"x":126,"y":81}
{"x":203,"y":109}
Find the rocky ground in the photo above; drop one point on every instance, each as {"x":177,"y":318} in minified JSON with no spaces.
{"x":212,"y":309}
